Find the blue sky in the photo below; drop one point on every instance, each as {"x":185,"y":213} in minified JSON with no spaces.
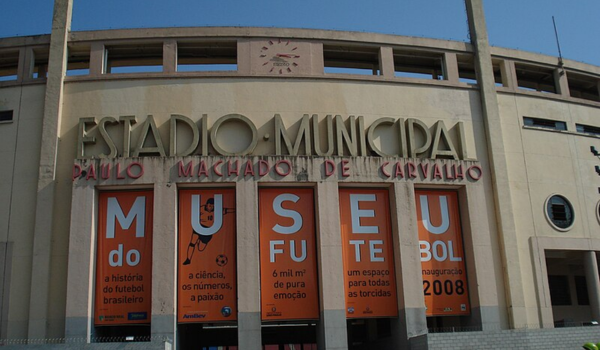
{"x":519,"y":24}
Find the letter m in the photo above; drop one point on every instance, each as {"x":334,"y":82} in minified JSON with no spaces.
{"x":303,"y":133}
{"x":115,"y":213}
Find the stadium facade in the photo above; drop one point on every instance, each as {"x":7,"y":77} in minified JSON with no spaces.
{"x":267,"y":188}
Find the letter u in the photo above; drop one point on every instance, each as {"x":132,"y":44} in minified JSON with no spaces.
{"x":218,"y":213}
{"x":436,"y":230}
{"x":293,"y":251}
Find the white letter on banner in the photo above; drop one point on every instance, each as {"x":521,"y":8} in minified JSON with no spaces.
{"x":374,"y":251}
{"x":357,"y":244}
{"x":218,"y":213}
{"x":427,"y":220}
{"x":294,"y":215}
{"x":114,"y":211}
{"x":357,"y":213}
{"x":274,"y":250}
{"x":293,"y":251}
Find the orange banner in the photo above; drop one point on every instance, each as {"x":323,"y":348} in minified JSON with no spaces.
{"x":288,"y":260}
{"x":369,"y":274}
{"x":207,"y":256}
{"x":124,"y":258}
{"x":442,"y":254}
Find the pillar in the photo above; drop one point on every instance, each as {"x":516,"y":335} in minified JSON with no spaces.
{"x":332,"y":333}
{"x":590,"y":265}
{"x":42,"y":237}
{"x":97,"y":59}
{"x":561,"y":82}
{"x":170,"y":56}
{"x":164,"y":262}
{"x":502,"y":194}
{"x":411,"y":323}
{"x":451,"y":67}
{"x":509,"y":75}
{"x":248,"y":266}
{"x":80,"y":268}
{"x":386,"y":62}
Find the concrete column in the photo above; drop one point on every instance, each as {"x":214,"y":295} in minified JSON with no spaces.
{"x":561,"y":82}
{"x":80,"y":268}
{"x":248,"y":266}
{"x":509,"y":75}
{"x":332,"y":333}
{"x":317,"y":62}
{"x":244,"y":57}
{"x":386,"y":62}
{"x":479,"y":258}
{"x":42,"y":239}
{"x":503,"y":204}
{"x":451,"y":67}
{"x":170,"y":56}
{"x":26,"y":64}
{"x":164,"y":262}
{"x":97,"y":59}
{"x":411,"y":322}
{"x":590,"y":265}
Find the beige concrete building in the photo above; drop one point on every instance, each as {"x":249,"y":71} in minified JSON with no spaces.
{"x":512,"y":136}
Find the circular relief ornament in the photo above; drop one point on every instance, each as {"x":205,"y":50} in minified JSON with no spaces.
{"x":279,"y":56}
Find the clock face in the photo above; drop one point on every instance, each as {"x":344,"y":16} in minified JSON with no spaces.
{"x":280,"y":56}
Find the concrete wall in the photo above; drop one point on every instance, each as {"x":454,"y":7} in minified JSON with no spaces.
{"x":20,"y":143}
{"x":542,"y":163}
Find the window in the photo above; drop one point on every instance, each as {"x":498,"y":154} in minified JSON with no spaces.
{"x":6,"y":116}
{"x":9,"y":62}
{"x":496,"y":67}
{"x":583,"y":86}
{"x":588,"y":129}
{"x":342,"y":59}
{"x":40,"y":66}
{"x":560,"y":212}
{"x":418,"y":64}
{"x":78,"y":60}
{"x":147,"y":58}
{"x":535,"y":78}
{"x":583,"y":297}
{"x":205,"y":56}
{"x":559,"y":290}
{"x":466,"y":69}
{"x":544,"y":123}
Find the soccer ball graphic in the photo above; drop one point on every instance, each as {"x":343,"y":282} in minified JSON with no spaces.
{"x":221,"y":260}
{"x":226,"y":311}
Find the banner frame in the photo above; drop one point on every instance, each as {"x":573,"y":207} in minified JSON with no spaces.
{"x":460,"y":194}
{"x":292,"y":186}
{"x":203,"y":187}
{"x":95,"y":235}
{"x":394,"y":235}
